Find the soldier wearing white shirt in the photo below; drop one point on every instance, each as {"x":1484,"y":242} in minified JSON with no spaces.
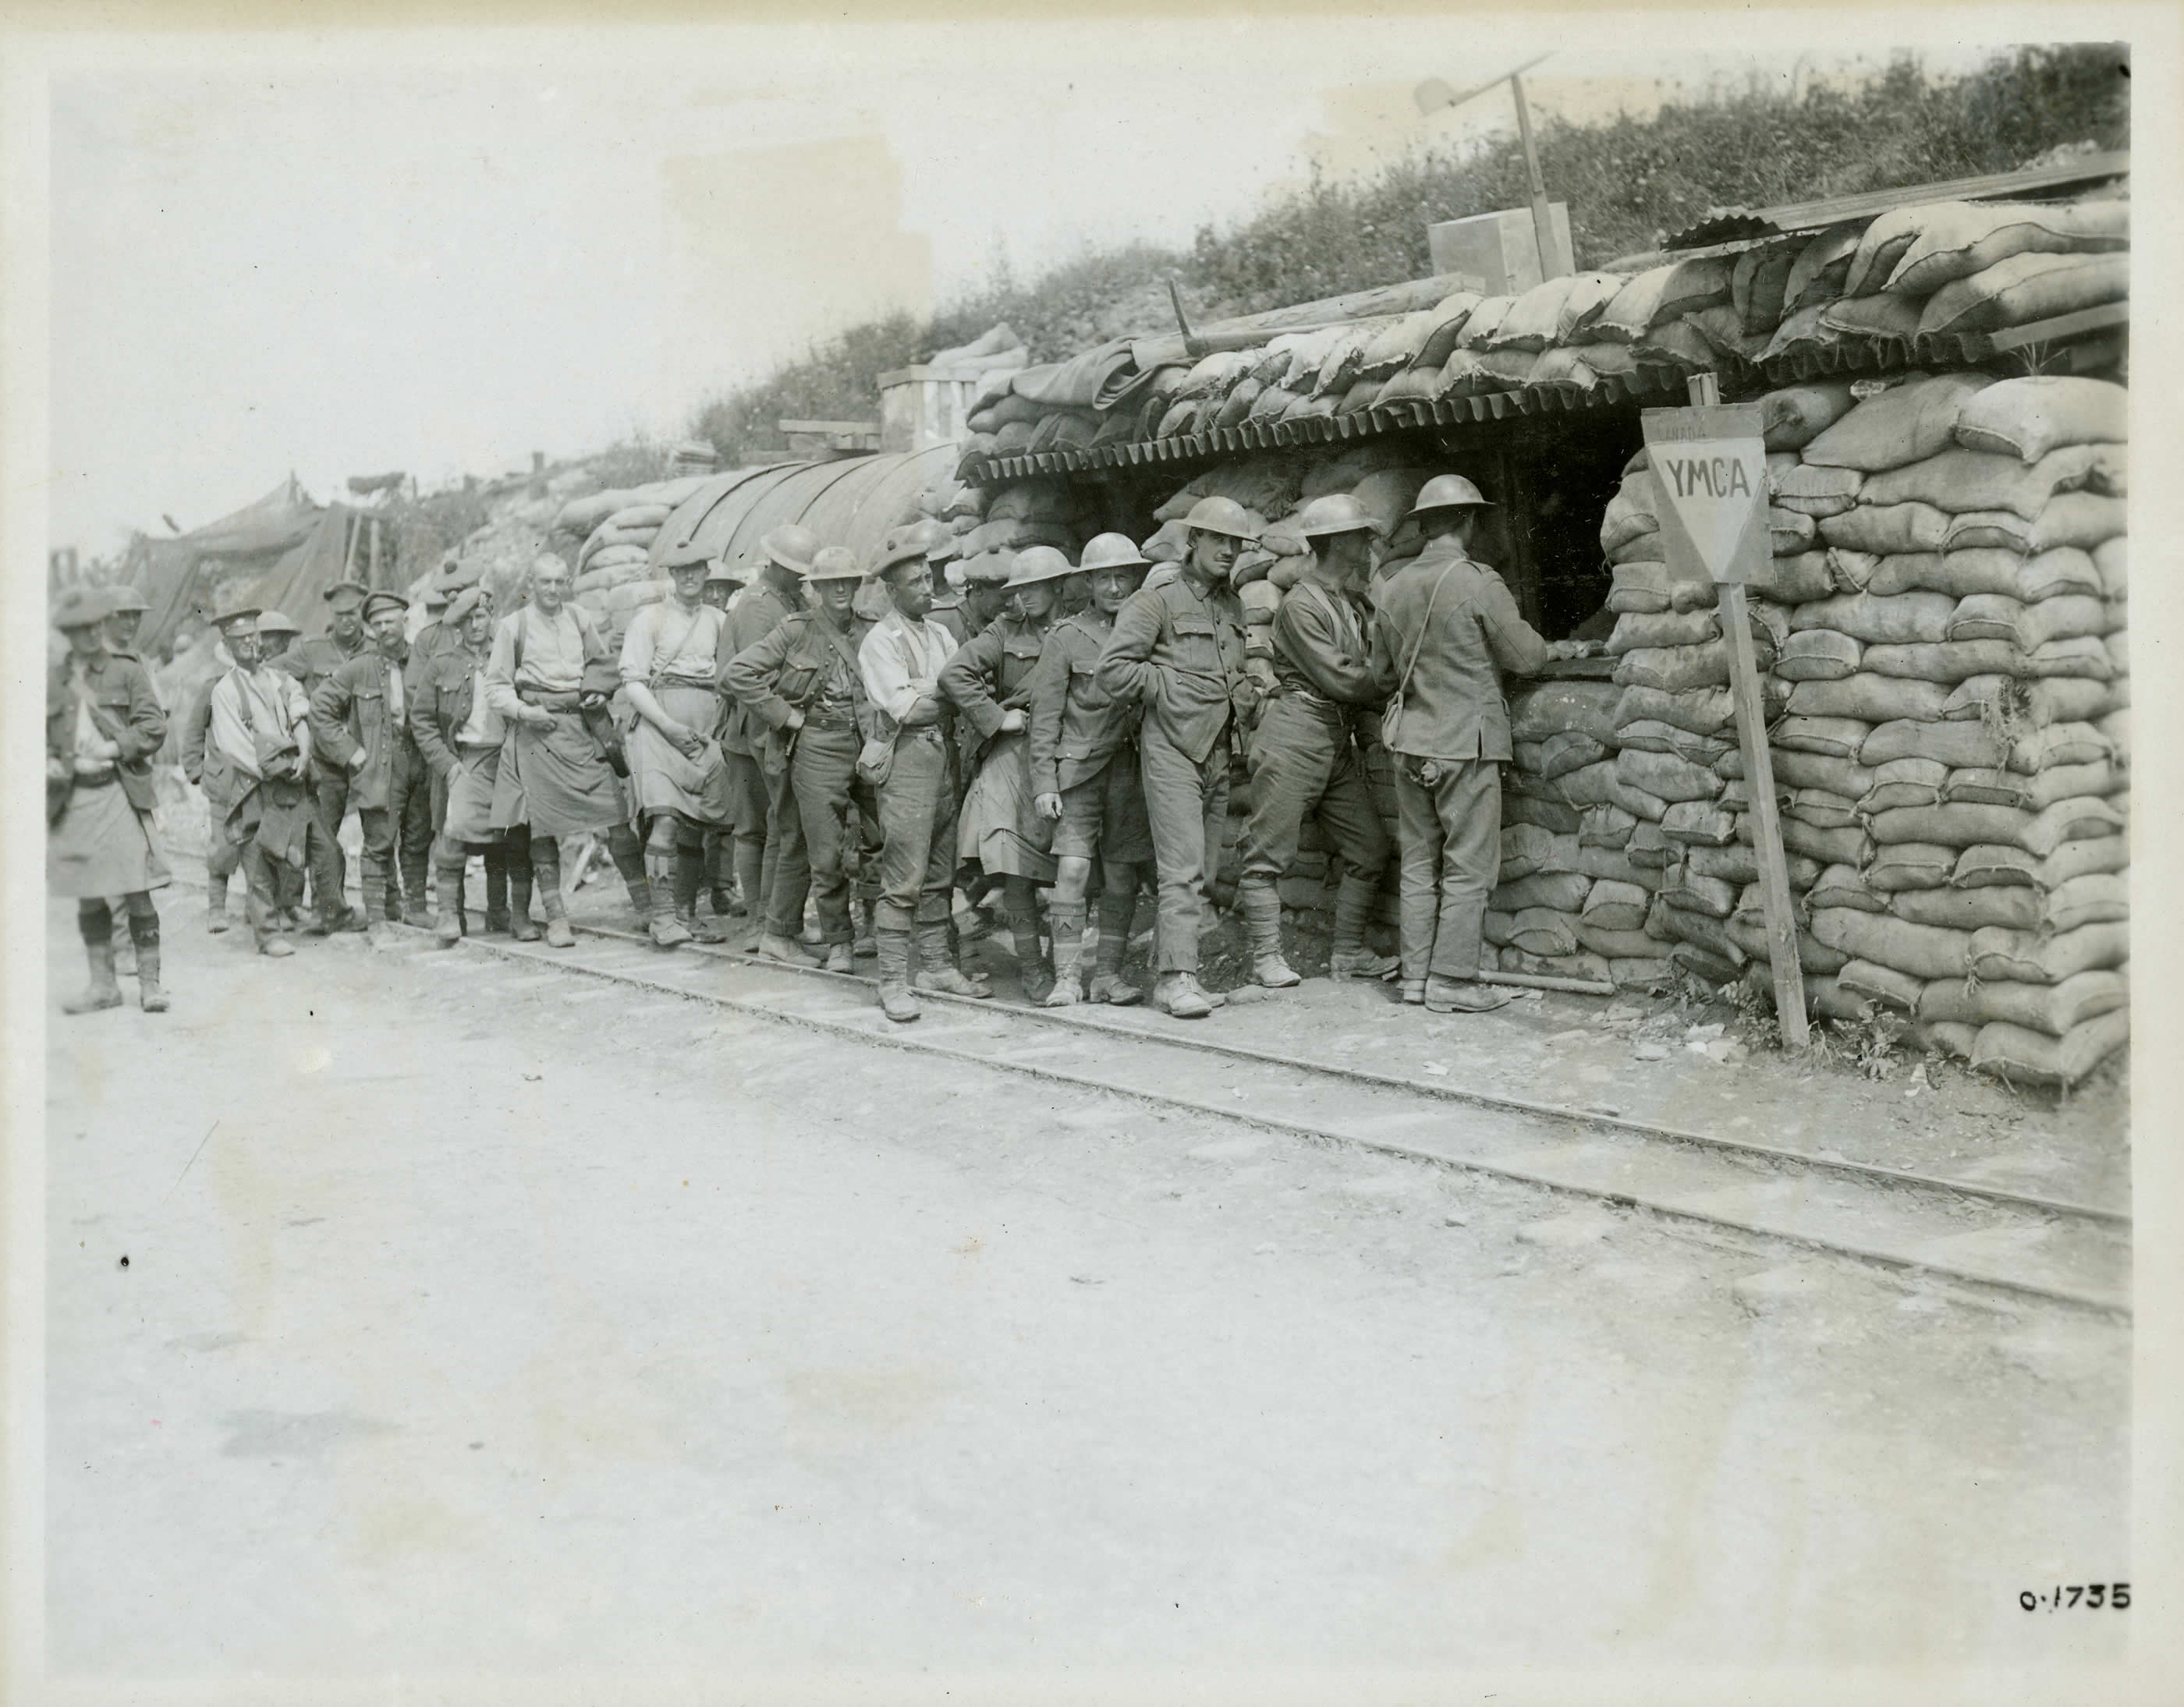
{"x":900,"y":661}
{"x":261,"y":729}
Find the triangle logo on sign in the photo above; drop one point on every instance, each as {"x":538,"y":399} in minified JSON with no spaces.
{"x":1716,"y":488}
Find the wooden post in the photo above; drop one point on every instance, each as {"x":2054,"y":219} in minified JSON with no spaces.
{"x":375,"y":550}
{"x":1759,"y":785}
{"x":349,"y":551}
{"x":1543,"y":224}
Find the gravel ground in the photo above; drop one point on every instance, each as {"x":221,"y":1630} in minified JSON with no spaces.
{"x":476,"y":1317}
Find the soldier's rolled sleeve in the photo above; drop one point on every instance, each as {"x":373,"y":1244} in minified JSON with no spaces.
{"x":299,"y":713}
{"x":500,"y":670}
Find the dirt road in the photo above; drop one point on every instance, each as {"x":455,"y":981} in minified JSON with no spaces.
{"x":477,"y":1318}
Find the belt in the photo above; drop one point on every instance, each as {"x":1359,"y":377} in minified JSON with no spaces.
{"x":551,"y":699}
{"x":830,"y":717}
{"x":96,"y":779}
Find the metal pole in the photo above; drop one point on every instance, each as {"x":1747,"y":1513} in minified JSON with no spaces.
{"x":1543,"y":224}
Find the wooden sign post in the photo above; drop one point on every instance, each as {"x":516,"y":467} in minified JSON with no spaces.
{"x":1710,"y":465}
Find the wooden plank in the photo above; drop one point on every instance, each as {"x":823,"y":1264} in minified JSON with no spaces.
{"x":1759,"y":786}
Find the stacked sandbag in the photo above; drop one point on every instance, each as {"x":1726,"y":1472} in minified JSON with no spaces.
{"x":1954,"y":747}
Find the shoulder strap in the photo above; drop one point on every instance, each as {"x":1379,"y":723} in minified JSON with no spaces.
{"x":1424,"y":623}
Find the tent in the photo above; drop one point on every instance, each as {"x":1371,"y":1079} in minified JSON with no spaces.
{"x":281,"y":553}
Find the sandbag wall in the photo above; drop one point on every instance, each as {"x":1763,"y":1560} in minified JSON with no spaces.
{"x":612,"y":532}
{"x":1946,"y":616}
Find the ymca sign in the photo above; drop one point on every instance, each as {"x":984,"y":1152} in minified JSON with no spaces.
{"x":1710,"y":465}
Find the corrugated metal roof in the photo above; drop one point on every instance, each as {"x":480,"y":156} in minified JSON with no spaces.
{"x":1732,"y":225}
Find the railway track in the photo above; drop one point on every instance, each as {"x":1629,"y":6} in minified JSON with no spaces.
{"x":2075,"y":1254}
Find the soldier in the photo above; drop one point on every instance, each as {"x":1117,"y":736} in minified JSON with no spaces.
{"x":311,"y":663}
{"x":1075,"y":598}
{"x":1446,"y":625}
{"x":460,"y":734}
{"x":360,"y":721}
{"x":102,"y":725}
{"x":801,"y":682}
{"x":944,"y":551}
{"x":985,"y":591}
{"x":1085,"y":778}
{"x":757,"y":611}
{"x":911,"y":762}
{"x":989,"y":684}
{"x":1178,"y":650}
{"x":1303,"y":756}
{"x":276,"y":634}
{"x":123,"y":622}
{"x":722,"y":583}
{"x":671,"y":658}
{"x":556,"y":776}
{"x":261,"y":730}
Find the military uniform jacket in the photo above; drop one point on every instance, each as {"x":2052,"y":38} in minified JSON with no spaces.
{"x":350,"y":714}
{"x":311,"y":662}
{"x":1180,"y":655}
{"x":750,"y":620}
{"x":1323,"y":648}
{"x":1452,"y":705}
{"x":1076,"y":725}
{"x":797,"y":667}
{"x":988,"y":676}
{"x":126,"y":711}
{"x":203,"y":762}
{"x":441,"y":695}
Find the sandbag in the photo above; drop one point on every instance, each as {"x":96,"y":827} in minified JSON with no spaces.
{"x":1614,"y":906}
{"x":1613,"y":945}
{"x":1746,"y":927}
{"x":1886,"y":529}
{"x":1606,"y":826}
{"x":2002,"y":864}
{"x":2064,"y":744}
{"x":1649,"y":736}
{"x":1817,"y":276}
{"x":1756,"y":285}
{"x":1552,"y":708}
{"x":1882,"y":314}
{"x":1833,"y":738}
{"x":1829,"y":847}
{"x":1526,"y":849}
{"x":1648,"y":850}
{"x":2064,"y":571}
{"x":1951,"y":743}
{"x":1694,"y":892}
{"x":1904,"y":618}
{"x":1796,"y":769}
{"x":1905,"y":782}
{"x":1793,"y":579}
{"x":2097,"y":897}
{"x":2085,"y":658}
{"x":1869,"y":698}
{"x":1563,"y":891}
{"x":1675,"y":669}
{"x":1448,"y":318}
{"x":2050,"y":1009}
{"x":1662,"y":293}
{"x":1686,"y":628}
{"x":1665,"y":775}
{"x":2034,"y":792}
{"x":1959,"y":825}
{"x":2019,"y":1055}
{"x":2111,"y":558}
{"x":1923,"y":951}
{"x":1909,"y":865}
{"x":1903,"y":425}
{"x":1701,"y":931}
{"x":1598,"y":784}
{"x":1959,"y":240}
{"x":1793,"y":417}
{"x":1543,"y":931}
{"x":1947,"y":664}
{"x":2027,"y":704}
{"x":1873,"y":981}
{"x":1818,"y":654}
{"x":1845,"y":886}
{"x":2027,"y":418}
{"x":1646,"y":973}
{"x":1822,"y":809}
{"x":1639,"y":588}
{"x":1551,"y":816}
{"x":1960,"y":481}
{"x":2031,"y":957}
{"x":1615,"y":865}
{"x":1699,"y":823}
{"x":1737,"y":864}
{"x":2082,"y":519}
{"x":2023,"y":289}
{"x":1570,"y":750}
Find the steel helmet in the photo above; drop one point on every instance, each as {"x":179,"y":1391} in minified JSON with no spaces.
{"x":987,"y":569}
{"x":1336,"y":512}
{"x":734,"y":574}
{"x":1111,"y":551}
{"x":791,"y":546}
{"x":126,"y":598}
{"x":272,"y":622}
{"x":1221,"y":515}
{"x":1038,"y":563}
{"x":1448,"y":492}
{"x":834,"y":563}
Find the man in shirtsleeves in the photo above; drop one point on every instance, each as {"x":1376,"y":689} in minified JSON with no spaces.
{"x":1304,"y":758}
{"x":672,"y":659}
{"x":556,"y":777}
{"x":311,"y":663}
{"x":755,"y":613}
{"x":1084,"y":778}
{"x":103,"y":723}
{"x":999,"y":831}
{"x":460,"y":736}
{"x":1177,"y":649}
{"x":900,"y":661}
{"x":276,"y":634}
{"x":1446,"y":629}
{"x":801,"y":682}
{"x":261,"y":733}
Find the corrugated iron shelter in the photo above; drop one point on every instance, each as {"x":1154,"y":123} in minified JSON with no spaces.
{"x":852,"y":501}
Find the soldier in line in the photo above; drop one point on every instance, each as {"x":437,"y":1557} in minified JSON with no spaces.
{"x":671,"y":657}
{"x":911,"y":762}
{"x":988,"y":683}
{"x":459,"y":734}
{"x":722,"y":583}
{"x":261,"y":734}
{"x":548,"y":676}
{"x":277,"y":635}
{"x":360,"y":721}
{"x":761,"y":607}
{"x":803,"y":684}
{"x":311,"y":663}
{"x":1445,"y":628}
{"x":1303,"y":756}
{"x":1178,"y":650}
{"x":441,"y":636}
{"x":103,"y":723}
{"x":1085,"y":778}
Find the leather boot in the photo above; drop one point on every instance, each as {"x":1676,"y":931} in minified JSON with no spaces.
{"x":1350,"y":957}
{"x":657,"y":908}
{"x":144,"y":930}
{"x":689,"y":876}
{"x":1261,"y":904}
{"x":1067,"y":924}
{"x":896,"y":1000}
{"x":1033,"y":972}
{"x":785,"y":949}
{"x":496,"y":891}
{"x":1108,"y":984}
{"x":558,"y":933}
{"x":414,"y":910}
{"x":215,"y":905}
{"x":521,"y":924}
{"x":1463,"y":996}
{"x":1177,"y":996}
{"x":448,"y":927}
{"x":376,"y":918}
{"x":102,"y":990}
{"x":937,"y":970}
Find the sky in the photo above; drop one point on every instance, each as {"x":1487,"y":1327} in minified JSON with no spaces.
{"x":445,"y":252}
